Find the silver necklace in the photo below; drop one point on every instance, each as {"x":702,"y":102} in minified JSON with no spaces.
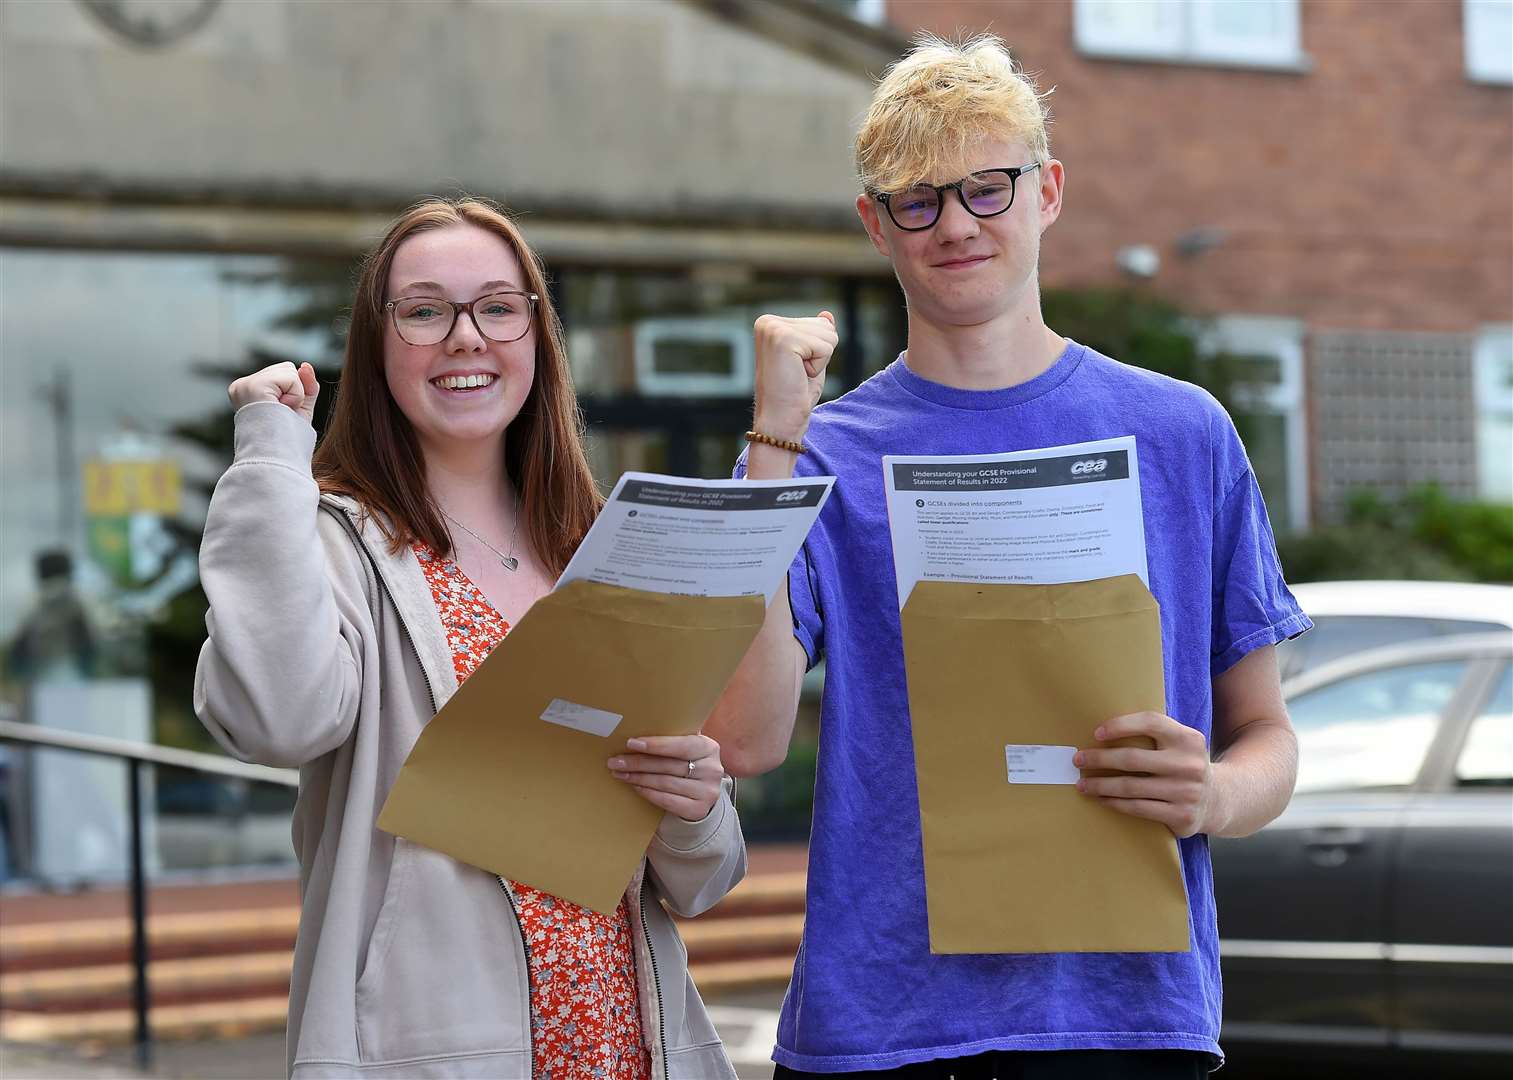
{"x":509,"y":562}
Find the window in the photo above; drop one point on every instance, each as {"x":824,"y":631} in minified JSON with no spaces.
{"x":1489,"y":41}
{"x":656,"y":334}
{"x":1493,"y":362}
{"x":114,"y":467}
{"x":1371,"y":731}
{"x":1250,"y":33}
{"x":692,"y":357}
{"x":113,"y":423}
{"x":663,"y":360}
{"x":1270,"y":410}
{"x":1486,"y":759}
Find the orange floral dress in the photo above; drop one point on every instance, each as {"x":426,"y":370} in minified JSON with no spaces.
{"x":585,"y":1018}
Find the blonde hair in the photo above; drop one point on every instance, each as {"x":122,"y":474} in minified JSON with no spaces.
{"x":939,"y":99}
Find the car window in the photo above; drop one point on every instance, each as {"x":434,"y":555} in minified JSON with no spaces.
{"x":1370,"y":731}
{"x":1334,"y":636}
{"x":1486,"y":758}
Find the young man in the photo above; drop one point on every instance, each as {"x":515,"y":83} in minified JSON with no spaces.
{"x":959,"y":187}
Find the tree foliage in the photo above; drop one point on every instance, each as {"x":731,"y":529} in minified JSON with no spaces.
{"x":1149,"y":332}
{"x":1423,"y":535}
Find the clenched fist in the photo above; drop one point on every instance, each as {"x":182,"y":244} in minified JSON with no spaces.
{"x":283,"y":383}
{"x":791,"y":355}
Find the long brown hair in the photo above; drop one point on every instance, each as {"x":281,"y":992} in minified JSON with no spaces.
{"x":371,"y":453}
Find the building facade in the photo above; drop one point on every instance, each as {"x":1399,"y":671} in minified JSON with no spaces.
{"x":185,"y":186}
{"x":1330,"y":182}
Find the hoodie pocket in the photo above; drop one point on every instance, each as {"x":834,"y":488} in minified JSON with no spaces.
{"x":442,"y":973}
{"x":388,"y":914}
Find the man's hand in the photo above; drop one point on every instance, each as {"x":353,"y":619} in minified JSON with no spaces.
{"x":791,"y":355}
{"x":295,"y":387}
{"x":1172,"y":784}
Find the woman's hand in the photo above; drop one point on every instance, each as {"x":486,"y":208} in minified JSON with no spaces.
{"x":679,"y":773}
{"x":284,"y":383}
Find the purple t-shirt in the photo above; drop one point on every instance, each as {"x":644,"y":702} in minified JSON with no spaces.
{"x":866,"y":991}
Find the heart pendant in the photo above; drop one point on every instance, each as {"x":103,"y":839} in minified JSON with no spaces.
{"x":510,"y":562}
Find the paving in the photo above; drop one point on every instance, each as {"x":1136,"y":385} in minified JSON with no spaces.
{"x":747,"y":1023}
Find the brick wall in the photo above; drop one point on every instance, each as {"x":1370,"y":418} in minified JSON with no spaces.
{"x":1369,"y":196}
{"x":1373,"y":191}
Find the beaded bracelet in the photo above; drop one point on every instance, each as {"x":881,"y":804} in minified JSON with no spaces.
{"x":772,"y":440}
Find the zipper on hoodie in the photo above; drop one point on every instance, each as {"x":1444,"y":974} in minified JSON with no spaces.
{"x":383,"y":585}
{"x":525,"y":947}
{"x":656,"y":979}
{"x":530,"y":987}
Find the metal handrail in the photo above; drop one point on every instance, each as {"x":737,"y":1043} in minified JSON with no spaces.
{"x":147,"y":753}
{"x":134,"y":756}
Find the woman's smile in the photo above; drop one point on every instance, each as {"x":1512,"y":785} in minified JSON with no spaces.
{"x":465,"y":382}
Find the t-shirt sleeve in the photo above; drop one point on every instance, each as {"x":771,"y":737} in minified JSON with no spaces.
{"x":803,"y":592}
{"x":1252,"y":606}
{"x":803,"y":598}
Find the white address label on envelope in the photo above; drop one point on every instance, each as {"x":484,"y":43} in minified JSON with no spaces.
{"x":570,"y":714}
{"x":1041,"y":764}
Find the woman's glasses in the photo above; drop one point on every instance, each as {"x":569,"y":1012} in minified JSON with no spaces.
{"x":427,"y":320}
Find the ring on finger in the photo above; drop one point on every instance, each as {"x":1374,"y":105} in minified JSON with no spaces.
{"x":690,"y":770}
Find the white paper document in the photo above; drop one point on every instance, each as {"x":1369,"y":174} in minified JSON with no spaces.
{"x":1034,"y":517}
{"x":671,"y":534}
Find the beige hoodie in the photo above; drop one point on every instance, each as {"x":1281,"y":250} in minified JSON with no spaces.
{"x":326,"y":653}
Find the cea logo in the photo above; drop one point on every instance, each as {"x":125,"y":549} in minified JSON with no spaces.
{"x":1090,"y":467}
{"x":795,"y":495}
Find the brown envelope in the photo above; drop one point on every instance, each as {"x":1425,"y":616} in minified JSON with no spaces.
{"x":491,"y":783}
{"x":1022,"y":867}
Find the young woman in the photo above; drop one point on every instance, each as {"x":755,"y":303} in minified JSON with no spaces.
{"x":348,"y":603}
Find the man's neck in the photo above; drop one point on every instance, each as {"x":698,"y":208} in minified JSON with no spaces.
{"x":988,"y":356}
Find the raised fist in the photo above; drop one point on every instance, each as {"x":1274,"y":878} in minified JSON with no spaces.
{"x":284,"y":383}
{"x":791,"y":355}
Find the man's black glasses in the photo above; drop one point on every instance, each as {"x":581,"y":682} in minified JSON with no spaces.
{"x":985,"y":194}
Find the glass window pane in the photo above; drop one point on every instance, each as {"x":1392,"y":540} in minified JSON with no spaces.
{"x":658,"y":333}
{"x":1265,"y":436}
{"x":110,"y":442}
{"x":1129,"y":27}
{"x":1487,"y":756}
{"x":883,"y":326}
{"x":1371,"y":730}
{"x":717,"y":453}
{"x":1494,"y":414}
{"x":1489,"y":40}
{"x":1245,"y":30}
{"x":611,"y":453}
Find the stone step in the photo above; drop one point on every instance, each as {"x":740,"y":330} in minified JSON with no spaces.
{"x":46,"y":945}
{"x":83,"y":969}
{"x":721,"y":945}
{"x":246,"y":1016}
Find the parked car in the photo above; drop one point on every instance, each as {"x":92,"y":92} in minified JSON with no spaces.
{"x":213,"y":823}
{"x":1353,"y":616}
{"x":1377,"y":912}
